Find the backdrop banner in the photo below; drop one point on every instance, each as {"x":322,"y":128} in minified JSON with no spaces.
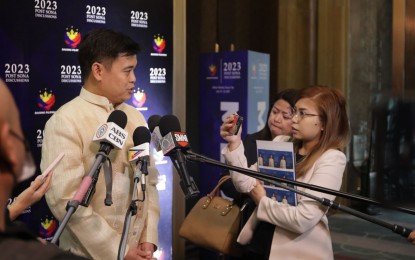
{"x":231,"y":82}
{"x":39,"y":45}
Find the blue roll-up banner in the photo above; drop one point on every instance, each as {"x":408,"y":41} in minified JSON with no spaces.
{"x":39,"y":45}
{"x":231,"y":82}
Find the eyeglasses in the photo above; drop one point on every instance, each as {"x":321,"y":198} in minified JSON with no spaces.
{"x":300,"y":114}
{"x":21,"y":139}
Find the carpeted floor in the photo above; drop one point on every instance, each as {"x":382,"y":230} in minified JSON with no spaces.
{"x":357,"y":239}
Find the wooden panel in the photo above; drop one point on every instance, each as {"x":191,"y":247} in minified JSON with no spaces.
{"x":293,"y":44}
{"x":179,"y":86}
{"x":332,"y":43}
{"x":398,"y":45}
{"x":409,"y":46}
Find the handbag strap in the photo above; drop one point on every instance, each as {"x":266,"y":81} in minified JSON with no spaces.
{"x":221,"y":181}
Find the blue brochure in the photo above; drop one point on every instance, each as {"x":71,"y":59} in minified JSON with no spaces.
{"x":277,"y":159}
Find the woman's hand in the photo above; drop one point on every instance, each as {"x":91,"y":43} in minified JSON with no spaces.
{"x":30,"y":195}
{"x":226,"y":132}
{"x":146,"y":250}
{"x":257,"y":193}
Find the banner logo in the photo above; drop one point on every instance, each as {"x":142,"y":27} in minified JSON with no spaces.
{"x":139,"y":98}
{"x":46,"y":100}
{"x":72,"y":37}
{"x":213,"y":70}
{"x":159,"y":43}
{"x":47,"y":227}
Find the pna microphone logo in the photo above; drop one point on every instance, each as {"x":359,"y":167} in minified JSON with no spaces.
{"x":72,"y":37}
{"x":46,"y":100}
{"x":159,"y":43}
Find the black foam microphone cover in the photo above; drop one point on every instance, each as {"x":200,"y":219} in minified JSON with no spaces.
{"x":169,"y":123}
{"x":153,"y":121}
{"x":118,"y":117}
{"x":141,"y":135}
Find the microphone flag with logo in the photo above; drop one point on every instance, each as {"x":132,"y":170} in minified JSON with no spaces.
{"x":174,"y":144}
{"x":153,"y":125}
{"x":140,"y":154}
{"x":110,"y":135}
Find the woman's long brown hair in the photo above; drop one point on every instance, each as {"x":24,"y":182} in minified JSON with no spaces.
{"x":331,"y":106}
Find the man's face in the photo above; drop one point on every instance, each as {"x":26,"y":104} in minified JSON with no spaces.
{"x":119,"y":78}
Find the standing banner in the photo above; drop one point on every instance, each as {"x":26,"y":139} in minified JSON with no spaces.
{"x":231,"y":82}
{"x":39,"y":46}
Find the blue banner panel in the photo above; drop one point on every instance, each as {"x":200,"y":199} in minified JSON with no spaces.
{"x":39,"y":41}
{"x":231,"y":82}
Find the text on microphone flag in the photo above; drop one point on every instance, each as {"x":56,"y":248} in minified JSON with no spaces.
{"x":181,"y":139}
{"x":111,"y":133}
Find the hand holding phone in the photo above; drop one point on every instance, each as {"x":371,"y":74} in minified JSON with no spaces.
{"x":53,"y":165}
{"x":236,"y":123}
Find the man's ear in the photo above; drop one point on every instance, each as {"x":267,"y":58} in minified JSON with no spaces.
{"x":96,"y":71}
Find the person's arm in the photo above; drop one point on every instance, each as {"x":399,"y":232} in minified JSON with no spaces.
{"x":30,"y":195}
{"x":328,"y":173}
{"x":243,"y":183}
{"x":234,"y":155}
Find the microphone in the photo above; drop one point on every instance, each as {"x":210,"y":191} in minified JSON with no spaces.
{"x":173,"y":144}
{"x":153,"y":125}
{"x":110,"y":135}
{"x":140,"y":154}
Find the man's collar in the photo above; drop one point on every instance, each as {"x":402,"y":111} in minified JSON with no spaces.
{"x":96,"y":99}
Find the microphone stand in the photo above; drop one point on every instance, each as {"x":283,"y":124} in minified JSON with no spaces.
{"x":200,"y":158}
{"x":132,"y":209}
{"x":85,"y":190}
{"x":326,"y":202}
{"x":187,"y":183}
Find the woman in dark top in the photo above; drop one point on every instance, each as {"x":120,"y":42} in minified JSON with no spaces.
{"x":278,"y":123}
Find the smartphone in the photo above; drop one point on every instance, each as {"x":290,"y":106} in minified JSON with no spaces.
{"x":236,"y":123}
{"x":53,"y":165}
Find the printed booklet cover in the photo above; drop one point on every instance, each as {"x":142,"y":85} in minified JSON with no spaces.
{"x":277,"y":159}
